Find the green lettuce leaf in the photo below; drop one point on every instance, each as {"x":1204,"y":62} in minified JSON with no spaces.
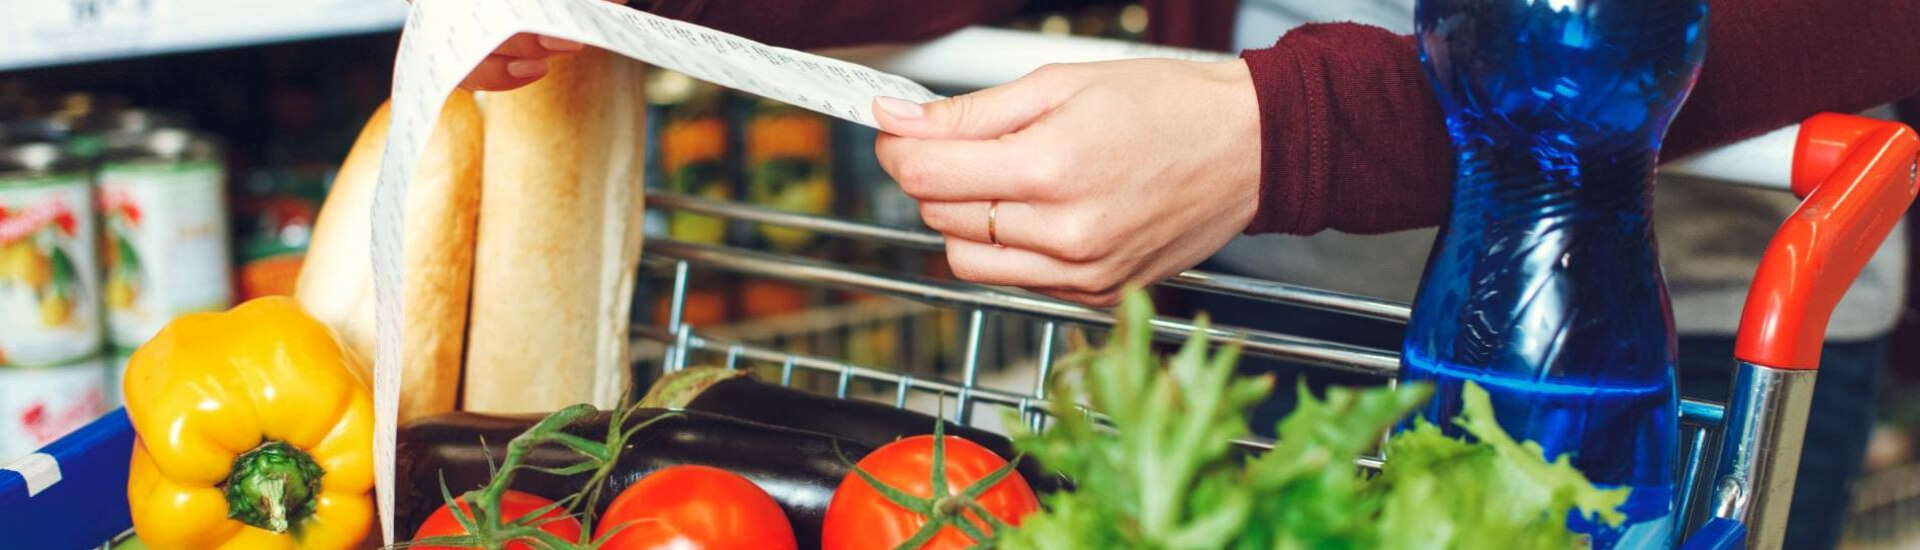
{"x":1160,"y":473}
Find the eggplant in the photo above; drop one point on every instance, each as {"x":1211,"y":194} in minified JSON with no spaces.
{"x":737,"y":394}
{"x":799,"y":469}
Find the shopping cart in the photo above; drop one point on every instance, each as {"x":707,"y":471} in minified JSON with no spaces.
{"x":1856,"y":176}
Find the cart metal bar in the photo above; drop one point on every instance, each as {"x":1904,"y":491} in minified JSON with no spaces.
{"x":966,"y":295}
{"x":1045,"y":372}
{"x":1759,"y":457}
{"x":669,"y":200}
{"x":1702,"y":413}
{"x":1696,"y":440}
{"x":970,"y":372}
{"x":1217,"y":283}
{"x":1326,"y":300}
{"x":903,"y":383}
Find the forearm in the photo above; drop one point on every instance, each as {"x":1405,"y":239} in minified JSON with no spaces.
{"x":1353,"y":140}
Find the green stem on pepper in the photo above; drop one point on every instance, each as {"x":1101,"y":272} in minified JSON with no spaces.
{"x":272,"y":487}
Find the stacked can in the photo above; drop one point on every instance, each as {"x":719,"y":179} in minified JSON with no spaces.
{"x":52,"y":377}
{"x":164,"y":251}
{"x":112,"y":222}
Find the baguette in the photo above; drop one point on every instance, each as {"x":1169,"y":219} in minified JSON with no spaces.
{"x":336,"y":283}
{"x":559,"y":238}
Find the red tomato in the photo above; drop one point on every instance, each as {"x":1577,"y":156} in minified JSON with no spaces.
{"x":860,"y":518}
{"x":513,"y":504}
{"x":695,"y":508}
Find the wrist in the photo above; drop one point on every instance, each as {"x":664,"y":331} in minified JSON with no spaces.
{"x":1238,"y":117}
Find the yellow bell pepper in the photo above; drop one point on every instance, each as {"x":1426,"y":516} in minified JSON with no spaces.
{"x":253,"y":434}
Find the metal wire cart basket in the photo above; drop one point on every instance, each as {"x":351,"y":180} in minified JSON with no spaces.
{"x":1740,"y":457}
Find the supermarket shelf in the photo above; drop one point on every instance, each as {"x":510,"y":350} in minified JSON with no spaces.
{"x":56,"y":32}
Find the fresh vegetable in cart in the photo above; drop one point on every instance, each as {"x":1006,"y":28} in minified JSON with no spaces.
{"x":798,"y":469}
{"x":1159,"y":469}
{"x":696,"y":507}
{"x":252,"y":432}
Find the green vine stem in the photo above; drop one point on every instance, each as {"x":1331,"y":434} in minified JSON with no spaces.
{"x":481,"y":519}
{"x":946,"y":508}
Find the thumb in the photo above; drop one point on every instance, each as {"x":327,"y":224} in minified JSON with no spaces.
{"x":985,"y":114}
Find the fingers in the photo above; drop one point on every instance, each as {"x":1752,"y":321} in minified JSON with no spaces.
{"x":497,"y":73}
{"x":985,"y":114}
{"x":1095,"y":284}
{"x":1020,"y":225}
{"x":519,"y":61}
{"x":987,"y":264}
{"x":969,"y":220}
{"x":977,"y":146}
{"x":533,"y":46}
{"x":1014,"y":168}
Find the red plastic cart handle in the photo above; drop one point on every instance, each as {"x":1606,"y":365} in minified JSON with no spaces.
{"x":1856,"y":175}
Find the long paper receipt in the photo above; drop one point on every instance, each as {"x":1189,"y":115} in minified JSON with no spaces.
{"x":445,"y":39}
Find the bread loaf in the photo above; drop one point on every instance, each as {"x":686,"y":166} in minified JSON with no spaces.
{"x":559,"y":238}
{"x":336,"y":283}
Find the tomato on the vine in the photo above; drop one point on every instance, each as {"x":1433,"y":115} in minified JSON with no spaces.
{"x":862,"y":517}
{"x":513,"y":505}
{"x":695,"y":508}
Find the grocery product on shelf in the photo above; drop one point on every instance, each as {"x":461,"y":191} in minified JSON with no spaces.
{"x":1545,"y":287}
{"x":336,"y":280}
{"x":273,"y":246}
{"x":558,"y":244}
{"x":49,"y":290}
{"x":789,"y":166}
{"x":39,"y":404}
{"x":165,"y":253}
{"x":693,"y":151}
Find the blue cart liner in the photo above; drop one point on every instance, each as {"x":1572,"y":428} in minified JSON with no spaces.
{"x":72,"y":494}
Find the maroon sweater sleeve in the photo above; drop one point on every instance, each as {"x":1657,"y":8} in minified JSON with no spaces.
{"x":1353,"y":140}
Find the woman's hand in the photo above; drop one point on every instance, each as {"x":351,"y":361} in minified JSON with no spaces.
{"x":519,"y":61}
{"x":1105,"y":174}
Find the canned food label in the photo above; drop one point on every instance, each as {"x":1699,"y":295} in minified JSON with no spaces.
{"x":789,"y":167}
{"x":41,"y":404}
{"x":49,"y":298}
{"x":165,"y":252}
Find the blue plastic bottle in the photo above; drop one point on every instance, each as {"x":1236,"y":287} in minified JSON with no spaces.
{"x":1545,"y":285}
